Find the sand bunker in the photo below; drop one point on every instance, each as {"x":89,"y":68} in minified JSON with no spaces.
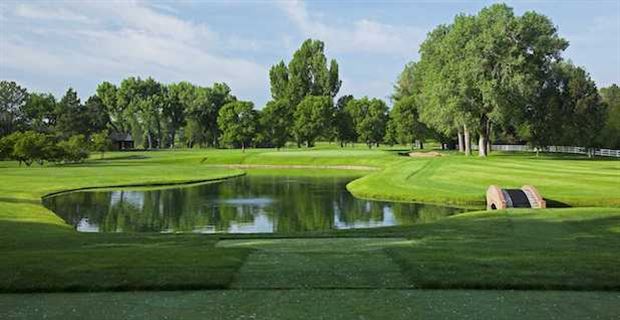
{"x":425,"y":154}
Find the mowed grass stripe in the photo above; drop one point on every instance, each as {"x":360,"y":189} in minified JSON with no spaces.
{"x":318,"y":263}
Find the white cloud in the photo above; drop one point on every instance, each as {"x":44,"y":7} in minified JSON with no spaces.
{"x":49,"y":13}
{"x":361,"y":36}
{"x":113,"y":40}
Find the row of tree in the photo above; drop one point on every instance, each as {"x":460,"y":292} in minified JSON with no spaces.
{"x":490,"y":76}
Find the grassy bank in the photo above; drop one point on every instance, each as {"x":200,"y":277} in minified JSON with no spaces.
{"x":525,"y":249}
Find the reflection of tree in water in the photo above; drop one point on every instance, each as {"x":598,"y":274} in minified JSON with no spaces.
{"x":412,"y":213}
{"x":287,"y":203}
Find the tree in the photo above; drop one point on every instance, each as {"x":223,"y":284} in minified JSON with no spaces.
{"x":39,"y":112}
{"x":95,"y":115}
{"x":405,"y":124}
{"x":108,"y":93}
{"x":312,"y":116}
{"x":142,"y":103}
{"x":343,"y":122}
{"x":30,"y":147}
{"x":370,"y":119}
{"x":100,"y":142}
{"x":180,"y":96}
{"x":307,"y":74}
{"x":74,"y":149}
{"x":276,"y":120}
{"x":610,"y":135}
{"x":404,"y":118}
{"x":202,"y":114}
{"x":485,"y":68}
{"x":238,"y":121}
{"x":70,"y":115}
{"x":12,"y":99}
{"x":569,"y":110}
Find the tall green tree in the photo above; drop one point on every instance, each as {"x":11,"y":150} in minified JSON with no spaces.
{"x":405,"y":122}
{"x":238,"y":122}
{"x":308,"y":73}
{"x":108,"y":93}
{"x":312,"y":116}
{"x":343,"y":122}
{"x":370,"y":118}
{"x":180,"y":96}
{"x":70,"y":115}
{"x":276,"y":121}
{"x":610,"y":135}
{"x":142,"y":102}
{"x":487,"y":67}
{"x":39,"y":112}
{"x":12,"y":99}
{"x":96,"y":115}
{"x":203,"y":113}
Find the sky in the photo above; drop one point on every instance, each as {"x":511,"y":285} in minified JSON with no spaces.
{"x":49,"y":46}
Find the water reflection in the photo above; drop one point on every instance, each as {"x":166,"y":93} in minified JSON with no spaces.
{"x":241,"y":205}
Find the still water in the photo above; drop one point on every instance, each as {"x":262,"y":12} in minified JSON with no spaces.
{"x":253,"y":203}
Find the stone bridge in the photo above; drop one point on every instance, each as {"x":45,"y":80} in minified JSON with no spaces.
{"x":526,"y":197}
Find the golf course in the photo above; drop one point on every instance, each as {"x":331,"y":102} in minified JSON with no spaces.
{"x":532,"y":258}
{"x":291,"y":159}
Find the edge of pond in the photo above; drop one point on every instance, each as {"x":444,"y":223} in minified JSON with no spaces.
{"x":151,"y":184}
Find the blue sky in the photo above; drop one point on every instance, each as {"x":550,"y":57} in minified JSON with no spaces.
{"x":52,"y":45}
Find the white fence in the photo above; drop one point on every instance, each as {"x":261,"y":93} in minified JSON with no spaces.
{"x":554,"y":149}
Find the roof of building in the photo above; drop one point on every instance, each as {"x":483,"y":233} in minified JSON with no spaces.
{"x":116,"y":136}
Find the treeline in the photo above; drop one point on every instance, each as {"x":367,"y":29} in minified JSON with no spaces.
{"x":493,"y":76}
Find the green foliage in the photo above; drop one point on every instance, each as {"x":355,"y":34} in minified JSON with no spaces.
{"x":369,"y":117}
{"x":484,"y":69}
{"x":39,"y":112}
{"x":70,"y":113}
{"x":569,"y":110}
{"x":343,"y":122}
{"x":202,"y":114}
{"x":307,"y":74}
{"x":96,"y":116}
{"x":30,"y":147}
{"x":74,"y":149}
{"x":404,"y":119}
{"x":108,"y":93}
{"x":610,"y":135}
{"x":313,"y":115}
{"x":12,"y":99}
{"x":100,"y":142}
{"x":238,"y":121}
{"x":276,"y":121}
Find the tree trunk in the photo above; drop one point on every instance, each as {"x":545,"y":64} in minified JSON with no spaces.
{"x":467,"y":140}
{"x":460,"y":138}
{"x":172,"y":136}
{"x":482,"y":145}
{"x":421,"y":145}
{"x":483,"y":138}
{"x":150,"y":141}
{"x":242,"y":146}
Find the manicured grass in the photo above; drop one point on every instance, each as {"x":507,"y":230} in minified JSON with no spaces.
{"x":572,"y":248}
{"x":315,"y":304}
{"x":457,"y":179}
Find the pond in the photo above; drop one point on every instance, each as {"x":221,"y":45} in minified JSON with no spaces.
{"x":248,"y":204}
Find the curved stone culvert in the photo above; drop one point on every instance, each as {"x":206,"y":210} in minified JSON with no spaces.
{"x":526,"y":197}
